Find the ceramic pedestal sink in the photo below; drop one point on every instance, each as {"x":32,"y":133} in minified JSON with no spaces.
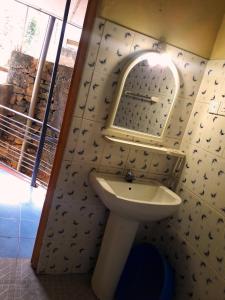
{"x":129,"y":204}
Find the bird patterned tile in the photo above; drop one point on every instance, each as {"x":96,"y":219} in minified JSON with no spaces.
{"x":115,"y":155}
{"x":77,"y":249}
{"x":206,"y":130}
{"x":198,"y":226}
{"x":77,"y":189}
{"x":102,"y":89}
{"x":75,"y":228}
{"x":146,"y":175}
{"x":172,"y":142}
{"x":72,"y":142}
{"x":214,"y":134}
{"x":77,"y":216}
{"x":110,"y":170}
{"x":194,"y":132}
{"x":90,"y":144}
{"x":194,"y":278}
{"x":204,"y":175}
{"x":89,"y":66}
{"x":100,"y":97}
{"x":200,"y":219}
{"x":179,"y":118}
{"x":190,"y":68}
{"x":139,"y":160}
{"x":203,"y":227}
{"x":64,"y":173}
{"x":212,"y":86}
{"x":162,"y":164}
{"x":115,"y":46}
{"x":142,"y":42}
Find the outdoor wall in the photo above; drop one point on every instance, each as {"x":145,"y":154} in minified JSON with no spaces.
{"x":77,"y":216}
{"x":5,"y":93}
{"x":190,"y":25}
{"x":21,"y":77}
{"x":22,"y":73}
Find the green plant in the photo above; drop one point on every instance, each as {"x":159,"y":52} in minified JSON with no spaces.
{"x":31,"y":31}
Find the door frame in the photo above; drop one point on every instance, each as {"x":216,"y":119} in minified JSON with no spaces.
{"x":67,"y":118}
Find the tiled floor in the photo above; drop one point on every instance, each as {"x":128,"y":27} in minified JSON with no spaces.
{"x":20,"y":209}
{"x":19,"y":282}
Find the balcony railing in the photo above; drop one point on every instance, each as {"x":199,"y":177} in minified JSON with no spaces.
{"x":15,"y":128}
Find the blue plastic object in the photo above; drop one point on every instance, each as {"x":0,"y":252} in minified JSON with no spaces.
{"x":146,"y":276}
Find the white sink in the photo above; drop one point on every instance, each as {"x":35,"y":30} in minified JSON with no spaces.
{"x":142,"y":200}
{"x":129,"y":204}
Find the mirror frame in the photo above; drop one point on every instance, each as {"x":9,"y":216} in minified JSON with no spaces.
{"x":129,"y":134}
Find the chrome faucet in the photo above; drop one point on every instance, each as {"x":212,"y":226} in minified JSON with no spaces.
{"x":129,"y":177}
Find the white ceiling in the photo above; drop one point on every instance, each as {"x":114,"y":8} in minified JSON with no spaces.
{"x":56,"y":8}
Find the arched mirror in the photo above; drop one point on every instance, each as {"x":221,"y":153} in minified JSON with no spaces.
{"x":144,"y":99}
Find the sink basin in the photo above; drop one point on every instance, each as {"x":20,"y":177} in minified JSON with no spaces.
{"x":142,"y":200}
{"x":129,"y":204}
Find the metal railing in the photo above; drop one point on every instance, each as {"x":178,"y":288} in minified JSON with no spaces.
{"x":13,"y":131}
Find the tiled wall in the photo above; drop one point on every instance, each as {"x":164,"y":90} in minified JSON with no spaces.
{"x":77,"y":217}
{"x":194,"y":238}
{"x":146,"y":115}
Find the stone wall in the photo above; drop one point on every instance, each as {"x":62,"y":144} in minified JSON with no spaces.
{"x":5,"y":93}
{"x":21,"y":77}
{"x":22,"y":72}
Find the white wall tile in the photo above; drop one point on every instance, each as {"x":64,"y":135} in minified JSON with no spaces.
{"x":77,"y":216}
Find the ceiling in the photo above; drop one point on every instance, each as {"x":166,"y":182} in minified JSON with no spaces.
{"x":56,"y":8}
{"x":191,"y":25}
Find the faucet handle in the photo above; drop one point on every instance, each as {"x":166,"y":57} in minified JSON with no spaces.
{"x":129,"y":177}
{"x":129,"y":171}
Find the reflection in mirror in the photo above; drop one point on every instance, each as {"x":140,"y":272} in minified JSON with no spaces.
{"x":147,"y":96}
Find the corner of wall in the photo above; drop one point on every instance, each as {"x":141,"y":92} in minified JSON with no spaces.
{"x":218,"y":51}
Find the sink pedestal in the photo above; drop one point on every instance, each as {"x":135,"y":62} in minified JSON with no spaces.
{"x":129,"y":204}
{"x":117,"y":242}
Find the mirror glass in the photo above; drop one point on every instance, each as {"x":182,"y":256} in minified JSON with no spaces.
{"x":146,"y":95}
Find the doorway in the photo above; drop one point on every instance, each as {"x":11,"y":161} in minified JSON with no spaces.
{"x":30,"y":120}
{"x":20,"y":209}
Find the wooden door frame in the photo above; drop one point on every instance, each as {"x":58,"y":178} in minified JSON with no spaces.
{"x":67,"y":118}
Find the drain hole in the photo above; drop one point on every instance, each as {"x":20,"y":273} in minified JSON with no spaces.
{"x":129,"y":188}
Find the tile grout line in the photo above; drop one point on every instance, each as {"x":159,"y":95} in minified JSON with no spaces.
{"x":219,"y":276}
{"x":19,"y":233}
{"x":215,"y":209}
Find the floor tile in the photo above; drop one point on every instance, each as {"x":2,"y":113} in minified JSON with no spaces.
{"x":9,"y":211}
{"x":30,"y":212}
{"x":15,"y":195}
{"x":7,"y":270}
{"x":6,"y":292}
{"x":26,"y":285}
{"x":8,"y":247}
{"x":9,"y":227}
{"x":26,"y":247}
{"x":24,"y":271}
{"x":20,"y":210}
{"x":28,"y":229}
